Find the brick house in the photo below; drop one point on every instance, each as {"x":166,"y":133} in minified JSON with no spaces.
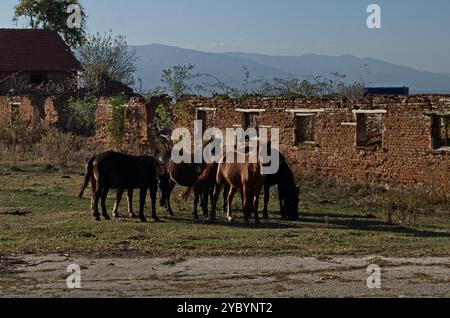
{"x":33,"y":57}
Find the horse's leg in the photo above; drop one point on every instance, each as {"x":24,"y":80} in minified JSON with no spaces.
{"x":153,"y":192}
{"x":104,"y":196}
{"x":97,"y":195}
{"x":266,"y":201}
{"x":241,"y":191}
{"x":216,"y":198}
{"x":255,"y":208}
{"x":142,"y":197}
{"x":282,"y":205}
{"x":115,"y":211}
{"x":256,"y":193}
{"x":194,"y":212}
{"x":93,"y":189}
{"x":246,"y":202}
{"x":204,"y":202}
{"x":226,"y":191}
{"x":169,"y":211}
{"x":230,"y":203}
{"x":130,"y":203}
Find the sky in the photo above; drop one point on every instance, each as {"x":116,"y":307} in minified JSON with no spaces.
{"x":413,"y":32}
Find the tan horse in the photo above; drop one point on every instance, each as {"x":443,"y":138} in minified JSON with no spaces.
{"x":246,"y":177}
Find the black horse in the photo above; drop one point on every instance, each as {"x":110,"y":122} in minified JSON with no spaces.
{"x":113,"y":170}
{"x":288,"y":191}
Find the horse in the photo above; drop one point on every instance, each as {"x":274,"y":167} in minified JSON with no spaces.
{"x":183,"y":174}
{"x":113,"y":170}
{"x":288,"y":191}
{"x":244,"y":176}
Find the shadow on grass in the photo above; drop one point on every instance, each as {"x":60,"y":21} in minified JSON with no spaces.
{"x":335,"y":221}
{"x":363,"y":223}
{"x":239,"y":223}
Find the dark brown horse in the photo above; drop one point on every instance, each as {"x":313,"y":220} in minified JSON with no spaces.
{"x":112,"y":170}
{"x":183,"y":174}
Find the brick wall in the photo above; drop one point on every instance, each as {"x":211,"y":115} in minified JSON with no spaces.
{"x":139,"y":135}
{"x":404,"y":155}
{"x":32,"y":109}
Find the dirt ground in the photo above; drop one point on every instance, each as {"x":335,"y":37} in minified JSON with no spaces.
{"x":277,"y":276}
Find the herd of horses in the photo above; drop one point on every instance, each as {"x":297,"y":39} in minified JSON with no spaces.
{"x":123,"y":172}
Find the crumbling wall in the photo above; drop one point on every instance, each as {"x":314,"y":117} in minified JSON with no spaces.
{"x":29,"y":109}
{"x":139,"y":136}
{"x":401,"y":154}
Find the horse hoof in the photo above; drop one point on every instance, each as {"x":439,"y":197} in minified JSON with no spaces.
{"x":156,"y":220}
{"x":265,"y":216}
{"x":133,"y":216}
{"x":257,"y":221}
{"x":97,"y":218}
{"x":143,"y":220}
{"x":230,"y":219}
{"x":196,"y":217}
{"x":116,"y":216}
{"x":107,"y":218}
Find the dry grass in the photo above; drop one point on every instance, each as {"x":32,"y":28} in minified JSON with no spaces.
{"x":35,"y":143}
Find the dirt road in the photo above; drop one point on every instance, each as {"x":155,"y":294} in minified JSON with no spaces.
{"x":45,"y":276}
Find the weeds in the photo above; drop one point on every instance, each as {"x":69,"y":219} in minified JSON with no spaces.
{"x":34,"y":142}
{"x":401,"y":206}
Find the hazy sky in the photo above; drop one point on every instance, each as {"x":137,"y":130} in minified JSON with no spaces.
{"x":414,"y":33}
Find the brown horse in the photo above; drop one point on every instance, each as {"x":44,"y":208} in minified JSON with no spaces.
{"x":245,"y":176}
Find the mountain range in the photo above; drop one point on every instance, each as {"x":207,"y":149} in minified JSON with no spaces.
{"x":229,"y":68}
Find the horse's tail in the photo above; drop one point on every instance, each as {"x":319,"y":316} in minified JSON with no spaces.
{"x":204,"y":177}
{"x":185,"y":194}
{"x":87,"y":176}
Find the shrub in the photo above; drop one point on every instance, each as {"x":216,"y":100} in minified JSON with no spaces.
{"x":81,"y":116}
{"x":117,"y":126}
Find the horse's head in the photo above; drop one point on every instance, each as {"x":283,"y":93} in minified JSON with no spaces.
{"x":292,"y":203}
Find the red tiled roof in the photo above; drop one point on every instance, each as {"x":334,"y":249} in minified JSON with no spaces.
{"x":34,"y":50}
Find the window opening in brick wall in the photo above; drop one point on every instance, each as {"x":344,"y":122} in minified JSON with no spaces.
{"x":38,"y":79}
{"x":440,"y":131}
{"x":202,"y":116}
{"x":369,"y":129}
{"x":304,"y":128}
{"x":250,"y":120}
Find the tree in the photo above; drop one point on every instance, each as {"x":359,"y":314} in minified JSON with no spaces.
{"x":105,"y":58}
{"x":55,"y":15}
{"x":177,"y":80}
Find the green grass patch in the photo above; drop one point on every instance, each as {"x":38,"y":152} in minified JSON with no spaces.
{"x":330,"y":224}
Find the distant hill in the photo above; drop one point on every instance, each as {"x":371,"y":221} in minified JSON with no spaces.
{"x":228,"y":67}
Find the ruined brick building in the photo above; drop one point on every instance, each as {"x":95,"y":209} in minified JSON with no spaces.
{"x":381,"y":139}
{"x":51,"y":111}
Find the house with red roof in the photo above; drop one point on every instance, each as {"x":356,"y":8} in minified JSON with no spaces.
{"x":33,"y":57}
